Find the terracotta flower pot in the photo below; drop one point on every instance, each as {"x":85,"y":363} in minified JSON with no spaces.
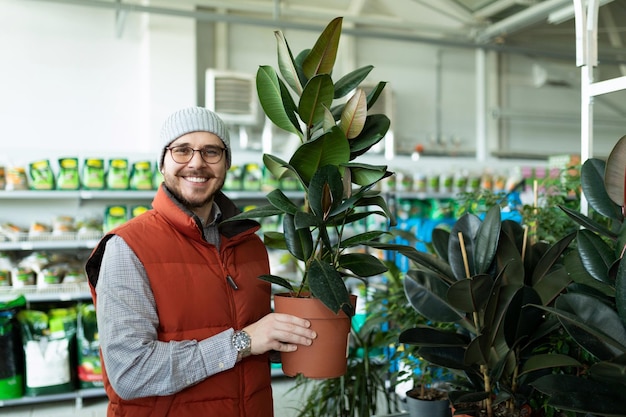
{"x":327,"y":356}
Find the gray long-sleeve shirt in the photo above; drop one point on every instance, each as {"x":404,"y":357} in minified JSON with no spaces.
{"x":137,"y":363}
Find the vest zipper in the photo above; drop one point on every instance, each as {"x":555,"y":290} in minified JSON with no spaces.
{"x":232,"y":282}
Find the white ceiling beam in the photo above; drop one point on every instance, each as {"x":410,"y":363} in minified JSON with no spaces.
{"x":520,"y":20}
{"x":567,"y":13}
{"x":450,"y":9}
{"x":499,"y":6}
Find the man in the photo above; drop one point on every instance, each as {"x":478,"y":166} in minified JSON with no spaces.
{"x":184,"y":322}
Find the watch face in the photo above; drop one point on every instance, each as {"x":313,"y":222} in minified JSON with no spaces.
{"x":241,"y":341}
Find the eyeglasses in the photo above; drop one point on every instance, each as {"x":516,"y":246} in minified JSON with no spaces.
{"x":184,"y":154}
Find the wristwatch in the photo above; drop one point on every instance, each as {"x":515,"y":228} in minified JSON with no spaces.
{"x":241,"y":341}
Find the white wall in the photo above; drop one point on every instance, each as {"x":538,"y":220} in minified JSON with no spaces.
{"x":71,"y":86}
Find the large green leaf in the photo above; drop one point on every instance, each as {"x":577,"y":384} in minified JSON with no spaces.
{"x":596,"y":255}
{"x":290,"y":106}
{"x":354,"y":114}
{"x":274,"y":240}
{"x":439,"y":240}
{"x":379,"y":201}
{"x":519,"y":322}
{"x":552,"y":284}
{"x":498,"y":304}
{"x":361,"y":238}
{"x":286,"y":63}
{"x":372,"y":97}
{"x":325,"y":191}
{"x":615,"y":173}
{"x":438,"y":347}
{"x":327,"y":284}
{"x":547,"y":361}
{"x":332,"y":148}
{"x":620,"y":291}
{"x":279,"y":168}
{"x":256,"y":213}
{"x":572,"y":393}
{"x":431,"y":262}
{"x":468,"y":226}
{"x":274,"y":279}
{"x":477,"y":352}
{"x":427,"y":294}
{"x":470,"y":295}
{"x":427,"y":336}
{"x":592,"y":324}
{"x":610,"y":371}
{"x":299,"y":241}
{"x":509,"y":261}
{"x":589,"y":223}
{"x":551,"y":257}
{"x":592,"y":181}
{"x":374,"y":130}
{"x":486,"y":242}
{"x":279,"y":200}
{"x":366,"y":174}
{"x":362,"y":264}
{"x":269,"y":92}
{"x":350,"y":81}
{"x":305,"y":219}
{"x":321,"y":58}
{"x":580,"y":275}
{"x":316,"y":97}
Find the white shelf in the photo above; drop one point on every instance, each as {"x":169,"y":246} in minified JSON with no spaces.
{"x":77,"y":395}
{"x":50,"y":293}
{"x":77,"y":195}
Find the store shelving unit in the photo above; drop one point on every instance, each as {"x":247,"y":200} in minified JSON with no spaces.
{"x":15,"y":205}
{"x":24,"y":206}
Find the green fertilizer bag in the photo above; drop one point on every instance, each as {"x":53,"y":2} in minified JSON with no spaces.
{"x":89,"y":366}
{"x":47,"y":341}
{"x":11,"y":356}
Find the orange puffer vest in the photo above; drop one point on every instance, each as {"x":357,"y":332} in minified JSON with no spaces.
{"x":194,"y":301}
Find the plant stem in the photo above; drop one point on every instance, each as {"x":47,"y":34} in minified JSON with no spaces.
{"x":483,"y":368}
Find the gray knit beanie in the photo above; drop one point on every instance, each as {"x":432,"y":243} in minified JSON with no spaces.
{"x":193,"y":119}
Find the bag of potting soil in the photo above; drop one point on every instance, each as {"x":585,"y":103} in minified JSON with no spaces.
{"x":47,"y":340}
{"x":11,"y":357}
{"x":89,"y":365}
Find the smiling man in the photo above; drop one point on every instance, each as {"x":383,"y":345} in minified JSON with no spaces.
{"x":184,"y":322}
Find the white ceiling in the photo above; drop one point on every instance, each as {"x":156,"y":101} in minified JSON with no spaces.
{"x":539,"y":27}
{"x":542,"y":27}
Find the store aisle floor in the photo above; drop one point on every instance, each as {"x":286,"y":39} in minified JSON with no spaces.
{"x":284,"y":405}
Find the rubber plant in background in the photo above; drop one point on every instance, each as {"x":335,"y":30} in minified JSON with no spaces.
{"x":481,"y":277}
{"x":593,"y":311}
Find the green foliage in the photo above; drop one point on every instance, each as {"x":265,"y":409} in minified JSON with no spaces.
{"x":545,"y":220}
{"x":334,"y":130}
{"x":390,"y":310}
{"x":483,"y":277}
{"x":593,"y":311}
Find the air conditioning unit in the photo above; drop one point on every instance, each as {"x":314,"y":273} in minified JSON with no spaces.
{"x":232,"y":95}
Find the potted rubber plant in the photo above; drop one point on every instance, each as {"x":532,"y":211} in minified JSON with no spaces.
{"x":482,"y":277}
{"x":331,"y":121}
{"x":593,"y":311}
